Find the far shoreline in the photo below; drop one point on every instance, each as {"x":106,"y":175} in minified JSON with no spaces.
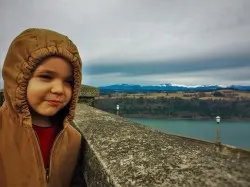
{"x":184,"y":118}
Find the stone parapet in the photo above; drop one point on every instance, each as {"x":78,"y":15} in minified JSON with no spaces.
{"x":121,"y":153}
{"x":88,"y":94}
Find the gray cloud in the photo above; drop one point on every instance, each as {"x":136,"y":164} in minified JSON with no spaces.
{"x":160,"y":67}
{"x":237,"y":76}
{"x":125,"y":39}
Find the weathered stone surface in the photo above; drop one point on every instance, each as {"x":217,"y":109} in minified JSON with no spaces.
{"x":88,"y":94}
{"x":87,"y":100}
{"x":122,"y":153}
{"x":88,"y":91}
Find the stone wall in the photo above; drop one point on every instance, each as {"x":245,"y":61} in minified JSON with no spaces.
{"x":88,"y":94}
{"x":121,"y":153}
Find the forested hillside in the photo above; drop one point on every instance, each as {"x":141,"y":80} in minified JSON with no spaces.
{"x":177,"y":107}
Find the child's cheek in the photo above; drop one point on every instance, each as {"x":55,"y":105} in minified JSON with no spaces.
{"x":34,"y":90}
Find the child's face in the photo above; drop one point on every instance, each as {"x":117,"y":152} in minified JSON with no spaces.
{"x":50,"y":88}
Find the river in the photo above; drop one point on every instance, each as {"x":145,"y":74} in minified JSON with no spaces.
{"x":231,"y":133}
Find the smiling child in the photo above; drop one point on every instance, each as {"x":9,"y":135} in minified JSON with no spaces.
{"x":42,"y":78}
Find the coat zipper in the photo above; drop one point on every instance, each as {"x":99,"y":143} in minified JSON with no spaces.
{"x":47,"y":174}
{"x":48,"y":170}
{"x":40,"y":153}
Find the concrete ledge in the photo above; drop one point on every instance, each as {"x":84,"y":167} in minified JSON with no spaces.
{"x":89,"y":91}
{"x":121,"y":153}
{"x":88,"y":94}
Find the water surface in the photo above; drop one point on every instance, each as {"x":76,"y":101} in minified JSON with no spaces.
{"x":231,"y":132}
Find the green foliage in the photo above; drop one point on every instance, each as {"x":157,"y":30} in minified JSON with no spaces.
{"x":177,"y":107}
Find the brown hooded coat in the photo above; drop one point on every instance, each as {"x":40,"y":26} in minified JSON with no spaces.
{"x":21,"y":162}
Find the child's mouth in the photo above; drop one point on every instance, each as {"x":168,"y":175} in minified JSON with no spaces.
{"x":54,"y":102}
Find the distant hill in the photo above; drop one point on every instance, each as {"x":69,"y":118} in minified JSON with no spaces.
{"x":131,"y":88}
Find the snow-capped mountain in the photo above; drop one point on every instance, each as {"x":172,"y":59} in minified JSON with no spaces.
{"x":168,"y":87}
{"x":191,"y":86}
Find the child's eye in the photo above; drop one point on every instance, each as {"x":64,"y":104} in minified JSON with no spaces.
{"x":45,"y":77}
{"x":69,"y":82}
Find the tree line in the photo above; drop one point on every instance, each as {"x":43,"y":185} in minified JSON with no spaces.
{"x":176,"y":107}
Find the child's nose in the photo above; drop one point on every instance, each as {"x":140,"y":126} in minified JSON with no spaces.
{"x":57,"y":87}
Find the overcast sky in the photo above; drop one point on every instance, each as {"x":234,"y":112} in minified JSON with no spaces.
{"x":144,"y":41}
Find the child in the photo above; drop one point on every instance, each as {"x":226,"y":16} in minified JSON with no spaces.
{"x":42,"y":78}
